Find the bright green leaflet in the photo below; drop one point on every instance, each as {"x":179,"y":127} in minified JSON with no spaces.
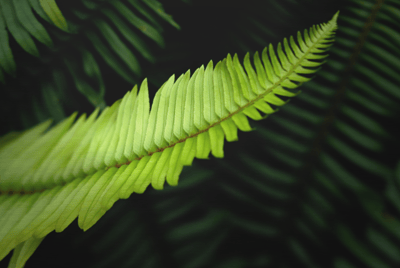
{"x":80,"y":169}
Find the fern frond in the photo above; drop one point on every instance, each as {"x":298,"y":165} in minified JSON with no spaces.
{"x":121,"y":38}
{"x":353,"y":102}
{"x":82,"y":169}
{"x":18,"y":18}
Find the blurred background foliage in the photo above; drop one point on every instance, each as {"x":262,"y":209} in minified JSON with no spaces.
{"x":315,"y":185}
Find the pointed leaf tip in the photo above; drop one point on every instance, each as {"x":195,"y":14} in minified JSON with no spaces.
{"x":334,"y":19}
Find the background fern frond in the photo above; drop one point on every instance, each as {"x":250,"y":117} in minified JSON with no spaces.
{"x":102,"y":37}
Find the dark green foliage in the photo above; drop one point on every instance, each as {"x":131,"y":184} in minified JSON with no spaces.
{"x":315,"y":185}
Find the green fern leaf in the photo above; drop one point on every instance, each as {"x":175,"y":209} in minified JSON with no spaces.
{"x":16,"y":28}
{"x":6,"y":57}
{"x":18,"y":18}
{"x":28,"y":20}
{"x":54,"y":13}
{"x":81,"y":169}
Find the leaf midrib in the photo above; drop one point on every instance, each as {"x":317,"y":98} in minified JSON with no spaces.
{"x":241,"y":108}
{"x":251,"y":102}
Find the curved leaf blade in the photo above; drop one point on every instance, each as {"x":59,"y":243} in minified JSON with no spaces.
{"x":54,"y":13}
{"x":31,"y":189}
